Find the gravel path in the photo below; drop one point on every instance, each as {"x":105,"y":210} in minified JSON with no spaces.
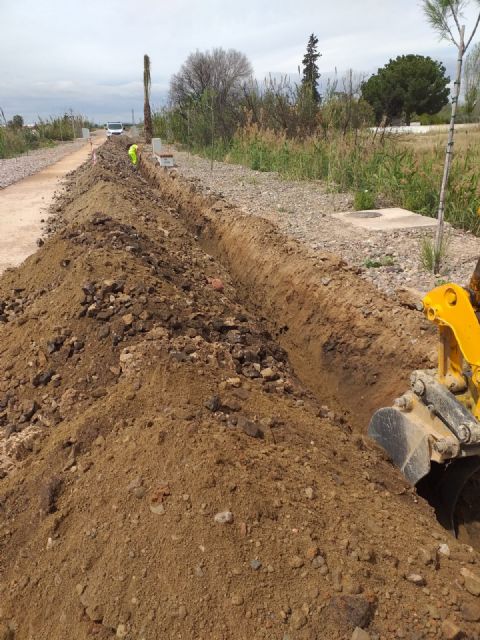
{"x":14,"y":169}
{"x":303,"y":210}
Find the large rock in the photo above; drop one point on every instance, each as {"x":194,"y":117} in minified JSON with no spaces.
{"x":471,"y":612}
{"x":351,"y":610}
{"x":472,"y":581}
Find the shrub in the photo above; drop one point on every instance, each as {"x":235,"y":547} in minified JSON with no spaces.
{"x":364,"y":199}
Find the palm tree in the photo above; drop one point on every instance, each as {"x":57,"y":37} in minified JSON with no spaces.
{"x":147,"y":114}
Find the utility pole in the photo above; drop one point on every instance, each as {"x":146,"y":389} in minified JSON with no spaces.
{"x":133,"y":117}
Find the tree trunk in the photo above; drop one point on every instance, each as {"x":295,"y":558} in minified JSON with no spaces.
{"x":448,"y":157}
{"x":147,"y":114}
{"x":147,"y":119}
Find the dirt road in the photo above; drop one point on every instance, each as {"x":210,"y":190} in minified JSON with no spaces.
{"x":23,"y":206}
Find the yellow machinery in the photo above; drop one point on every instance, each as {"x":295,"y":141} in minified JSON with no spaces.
{"x":438,"y":419}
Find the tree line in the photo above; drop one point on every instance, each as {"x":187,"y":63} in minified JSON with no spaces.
{"x":214,"y":93}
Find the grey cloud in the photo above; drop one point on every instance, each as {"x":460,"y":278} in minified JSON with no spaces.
{"x":88,"y":55}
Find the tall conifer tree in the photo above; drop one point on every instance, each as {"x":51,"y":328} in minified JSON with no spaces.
{"x":311,"y":74}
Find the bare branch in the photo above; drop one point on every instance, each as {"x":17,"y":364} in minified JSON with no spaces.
{"x":477,"y":23}
{"x":454,"y":10}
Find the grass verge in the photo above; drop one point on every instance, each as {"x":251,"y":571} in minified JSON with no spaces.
{"x":387,"y":170}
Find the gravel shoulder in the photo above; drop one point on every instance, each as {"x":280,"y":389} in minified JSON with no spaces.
{"x":304,"y":210}
{"x":14,"y":169}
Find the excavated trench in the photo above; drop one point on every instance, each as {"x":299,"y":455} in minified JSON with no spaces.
{"x":350,"y":345}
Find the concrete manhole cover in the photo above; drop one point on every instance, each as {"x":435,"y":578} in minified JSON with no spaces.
{"x":365,"y":214}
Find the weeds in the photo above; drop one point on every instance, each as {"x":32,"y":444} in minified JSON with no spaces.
{"x":17,"y":140}
{"x":429,"y":255}
{"x":363,"y":200}
{"x":384,"y":261}
{"x":360,"y":162}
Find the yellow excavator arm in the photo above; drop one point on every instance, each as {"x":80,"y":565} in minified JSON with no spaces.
{"x":438,"y":420}
{"x":450,"y":308}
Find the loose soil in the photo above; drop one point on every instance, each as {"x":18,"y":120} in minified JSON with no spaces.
{"x":183,"y":402}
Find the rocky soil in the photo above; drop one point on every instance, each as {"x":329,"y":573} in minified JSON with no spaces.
{"x":169,"y":467}
{"x":14,"y":169}
{"x":303,"y":210}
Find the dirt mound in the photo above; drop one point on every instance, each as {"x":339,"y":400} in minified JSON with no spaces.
{"x":166,"y":474}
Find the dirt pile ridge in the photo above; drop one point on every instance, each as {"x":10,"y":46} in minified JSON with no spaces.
{"x":166,"y":474}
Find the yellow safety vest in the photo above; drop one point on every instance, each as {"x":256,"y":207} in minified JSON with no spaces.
{"x":132,"y":152}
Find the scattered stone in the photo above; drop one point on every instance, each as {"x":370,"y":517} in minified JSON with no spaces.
{"x":94,"y":610}
{"x":252,"y":429}
{"x":296,"y":562}
{"x":433,"y":612}
{"x":255,"y":564}
{"x":128,"y":319}
{"x":360,"y":634}
{"x":318,"y":562}
{"x":451,"y":631}
{"x":213,"y":403}
{"x":353,"y":611}
{"x":42,"y":378}
{"x":472,"y":581}
{"x":182,"y":612}
{"x":428,"y":557}
{"x":309,"y":493}
{"x":298,"y":619}
{"x":104,"y":332}
{"x":268,"y":374}
{"x":49,"y":494}
{"x":471,"y":611}
{"x":216,"y":284}
{"x":223,"y":517}
{"x":30,"y":410}
{"x":237,"y":601}
{"x":444,"y":549}
{"x":157,"y":508}
{"x":410,"y":298}
{"x":416,"y":579}
{"x":350,"y":585}
{"x":312,"y":552}
{"x":121,"y":631}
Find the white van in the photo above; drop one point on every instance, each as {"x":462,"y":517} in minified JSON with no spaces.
{"x":114,"y":129}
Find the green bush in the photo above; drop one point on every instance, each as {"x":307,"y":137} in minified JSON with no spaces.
{"x":363,"y":200}
{"x":16,"y":140}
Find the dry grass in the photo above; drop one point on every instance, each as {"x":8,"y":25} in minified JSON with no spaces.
{"x":466,"y":136}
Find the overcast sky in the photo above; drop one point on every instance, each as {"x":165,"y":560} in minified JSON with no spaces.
{"x":88,"y":55}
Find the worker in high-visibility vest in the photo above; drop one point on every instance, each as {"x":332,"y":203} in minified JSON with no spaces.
{"x":133,"y":153}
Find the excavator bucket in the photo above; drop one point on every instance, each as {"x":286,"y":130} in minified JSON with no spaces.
{"x":432,"y":433}
{"x":405,"y":442}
